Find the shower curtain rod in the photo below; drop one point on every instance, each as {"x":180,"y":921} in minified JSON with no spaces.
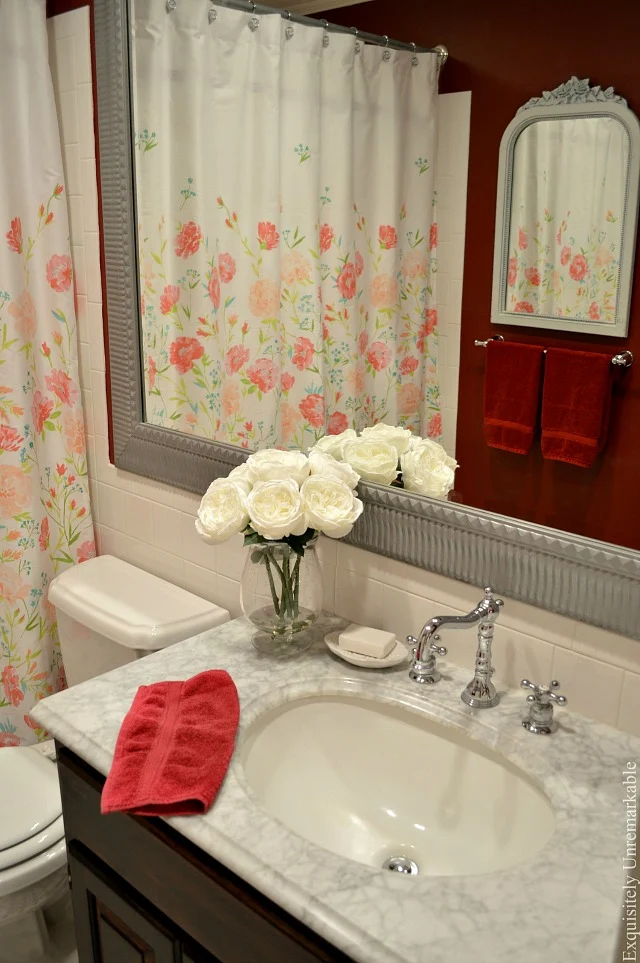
{"x":262,"y":10}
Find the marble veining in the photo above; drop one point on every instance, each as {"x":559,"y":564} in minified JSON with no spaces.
{"x":563,"y":906}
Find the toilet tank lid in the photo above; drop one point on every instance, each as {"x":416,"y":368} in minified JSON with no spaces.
{"x":131,"y":606}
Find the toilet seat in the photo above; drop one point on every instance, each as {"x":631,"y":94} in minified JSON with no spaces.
{"x":30,"y":807}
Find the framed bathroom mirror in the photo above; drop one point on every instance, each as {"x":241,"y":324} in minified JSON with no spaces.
{"x":567,"y":209}
{"x":564,"y":572}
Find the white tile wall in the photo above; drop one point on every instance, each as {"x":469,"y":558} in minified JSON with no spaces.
{"x":151,"y":525}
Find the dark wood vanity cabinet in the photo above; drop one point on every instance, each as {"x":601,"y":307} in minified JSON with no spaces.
{"x":143,"y":894}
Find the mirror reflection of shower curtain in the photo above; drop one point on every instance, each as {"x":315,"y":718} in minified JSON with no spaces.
{"x":569,"y":186}
{"x":286,"y":218}
{"x":45,"y":518}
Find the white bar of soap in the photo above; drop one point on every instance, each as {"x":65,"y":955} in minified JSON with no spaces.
{"x":366,"y":641}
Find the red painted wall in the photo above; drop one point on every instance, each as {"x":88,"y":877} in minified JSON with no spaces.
{"x":506,"y":53}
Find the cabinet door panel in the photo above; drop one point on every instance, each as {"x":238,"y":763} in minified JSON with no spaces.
{"x":112,"y":924}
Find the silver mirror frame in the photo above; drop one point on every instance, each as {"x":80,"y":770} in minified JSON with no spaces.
{"x":575,"y":98}
{"x":574,"y":576}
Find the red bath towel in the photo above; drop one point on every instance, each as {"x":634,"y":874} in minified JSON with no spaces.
{"x":174,"y":747}
{"x":576,"y":401}
{"x":512,"y":394}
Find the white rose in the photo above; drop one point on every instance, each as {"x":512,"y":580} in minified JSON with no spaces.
{"x":222,"y":512}
{"x":375,"y":461}
{"x":437,"y":453}
{"x":331,"y":506}
{"x":271,"y":464}
{"x":400,"y":438}
{"x":334,"y":444}
{"x":324,"y":464}
{"x":276,"y":510}
{"x":240,"y":477}
{"x":423,"y":472}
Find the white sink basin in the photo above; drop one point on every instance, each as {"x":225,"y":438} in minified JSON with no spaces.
{"x":372,"y":781}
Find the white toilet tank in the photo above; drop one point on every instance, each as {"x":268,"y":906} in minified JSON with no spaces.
{"x":110,"y":613}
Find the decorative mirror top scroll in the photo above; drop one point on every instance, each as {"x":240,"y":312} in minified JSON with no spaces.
{"x":567,"y":210}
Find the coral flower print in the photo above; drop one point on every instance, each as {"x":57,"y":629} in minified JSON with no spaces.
{"x":379,"y":355}
{"x":230,"y":397}
{"x":15,"y":491}
{"x":295,"y":267}
{"x":303,"y":352}
{"x":523,"y":241}
{"x":152,"y":371}
{"x":62,"y":386}
{"x":338,"y":422}
{"x":183,"y":352}
{"x":14,"y":236}
{"x":326,"y":238}
{"x":433,"y":236}
{"x":213,"y":288}
{"x":594,"y":311}
{"x":10,"y":439}
{"x":408,"y":399}
{"x":523,"y":307}
{"x":512,"y":273}
{"x":237,"y":356}
{"x":346,"y":281}
{"x":73,"y":431}
{"x":10,"y":678}
{"x":169,"y":298}
{"x":387,"y":237}
{"x":59,"y":272}
{"x":86,"y":551}
{"x":383,"y":291}
{"x":263,"y":373}
{"x":578,"y":267}
{"x":434,"y":429}
{"x":227,"y":268}
{"x":414,"y":265}
{"x":287,"y":381}
{"x":408,"y":365}
{"x":264,"y":298}
{"x":565,"y":255}
{"x":268,"y":236}
{"x":312,"y":407}
{"x":43,"y":537}
{"x":532,"y":275}
{"x":359,"y":263}
{"x":23,"y":311}
{"x":188,"y":240}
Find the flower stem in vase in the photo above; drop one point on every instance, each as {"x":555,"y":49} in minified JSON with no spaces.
{"x":274,"y":595}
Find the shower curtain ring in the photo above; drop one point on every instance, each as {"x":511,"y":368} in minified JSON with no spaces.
{"x":325,"y":39}
{"x":213,"y":13}
{"x":358,"y":44}
{"x":414,"y":59}
{"x":171,"y":6}
{"x":289,"y":32}
{"x":387,"y":53}
{"x":254,"y":23}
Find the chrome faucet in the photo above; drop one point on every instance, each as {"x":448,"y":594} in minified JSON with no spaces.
{"x":481,"y":692}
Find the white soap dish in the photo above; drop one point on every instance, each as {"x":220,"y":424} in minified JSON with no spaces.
{"x":397,"y":655}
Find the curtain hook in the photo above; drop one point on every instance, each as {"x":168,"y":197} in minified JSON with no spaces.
{"x":414,"y":59}
{"x":171,"y":6}
{"x":289,"y":32}
{"x":387,"y":53}
{"x":213,"y":13}
{"x":254,"y":23}
{"x":358,"y":44}
{"x":325,"y":39}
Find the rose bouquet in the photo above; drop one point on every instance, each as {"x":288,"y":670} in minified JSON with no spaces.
{"x":389,"y":455}
{"x":281,"y":501}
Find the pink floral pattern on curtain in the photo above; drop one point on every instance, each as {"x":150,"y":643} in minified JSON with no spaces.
{"x":45,"y":520}
{"x":334,"y":335}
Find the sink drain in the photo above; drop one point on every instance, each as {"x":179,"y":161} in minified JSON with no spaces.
{"x":401,"y":864}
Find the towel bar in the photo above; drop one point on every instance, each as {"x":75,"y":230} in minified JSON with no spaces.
{"x":622,"y":360}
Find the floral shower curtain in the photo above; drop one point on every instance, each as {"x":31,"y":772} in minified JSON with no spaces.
{"x":45,"y":519}
{"x":287,"y":235}
{"x":569,"y":183}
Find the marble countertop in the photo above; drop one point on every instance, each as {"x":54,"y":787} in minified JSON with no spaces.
{"x":563,"y":906}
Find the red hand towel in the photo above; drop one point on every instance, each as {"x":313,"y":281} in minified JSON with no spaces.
{"x":174,"y":747}
{"x":576,"y":401}
{"x":511,"y":394}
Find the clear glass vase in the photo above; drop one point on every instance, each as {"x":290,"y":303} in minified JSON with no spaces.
{"x":281,"y":593}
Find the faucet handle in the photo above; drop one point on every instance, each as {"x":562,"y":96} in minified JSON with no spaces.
{"x":544,"y":693}
{"x":540,"y":717}
{"x":437,"y":649}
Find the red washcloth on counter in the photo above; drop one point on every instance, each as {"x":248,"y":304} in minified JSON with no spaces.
{"x":576,"y":402}
{"x":512,"y":394}
{"x":174,"y":747}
